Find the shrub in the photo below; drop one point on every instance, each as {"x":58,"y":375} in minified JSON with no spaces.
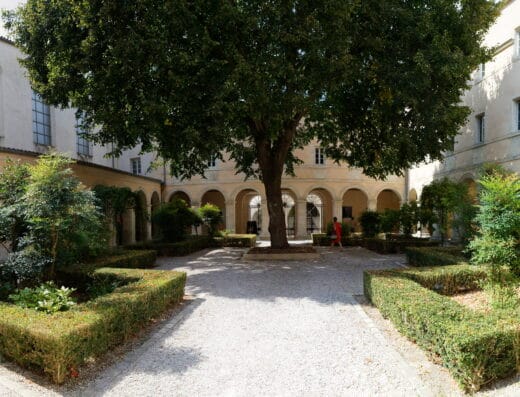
{"x":476,"y":348}
{"x":61,"y":342}
{"x":237,"y":240}
{"x":180,"y":248}
{"x":395,"y":246}
{"x":173,"y":220}
{"x":47,"y":298}
{"x":212,"y":217}
{"x":370,"y":223}
{"x":390,"y":221}
{"x":409,"y":217}
{"x":345,"y":229}
{"x":434,"y":256}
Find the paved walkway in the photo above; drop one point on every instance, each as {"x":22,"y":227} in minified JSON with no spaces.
{"x":276,"y":329}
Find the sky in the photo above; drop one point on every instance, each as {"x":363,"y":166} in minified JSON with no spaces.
{"x":9,"y":5}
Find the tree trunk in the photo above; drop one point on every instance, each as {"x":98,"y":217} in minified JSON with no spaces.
{"x":273,"y":191}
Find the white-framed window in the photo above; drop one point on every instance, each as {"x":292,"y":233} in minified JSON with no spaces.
{"x":319,"y":156}
{"x":41,"y":120}
{"x":481,"y":128}
{"x":212,"y":162}
{"x":84,"y":146}
{"x":136,"y":165}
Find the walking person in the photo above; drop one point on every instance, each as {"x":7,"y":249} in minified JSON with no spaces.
{"x":336,"y":227}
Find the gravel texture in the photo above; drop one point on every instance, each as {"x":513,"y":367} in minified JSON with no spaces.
{"x":278,"y":329}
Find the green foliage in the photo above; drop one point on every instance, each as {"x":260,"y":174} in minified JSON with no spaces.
{"x":409,"y":217}
{"x":258,"y":81}
{"x":212,"y":217}
{"x":434,"y":256}
{"x":442,"y":201}
{"x":370,"y":222}
{"x":498,"y":243}
{"x":237,"y":240}
{"x":173,"y":220}
{"x":390,"y":220}
{"x":65,"y":340}
{"x":13,"y":182}
{"x":476,"y":348}
{"x":47,"y":298}
{"x":179,"y":248}
{"x":102,"y":287}
{"x":345,"y":229}
{"x":395,"y":246}
{"x":114,"y":201}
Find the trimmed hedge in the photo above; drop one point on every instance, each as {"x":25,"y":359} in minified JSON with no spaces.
{"x":61,"y":342}
{"x":237,"y":240}
{"x":180,"y":248}
{"x":396,"y":246}
{"x":322,"y":240}
{"x":434,"y":256}
{"x":476,"y":348}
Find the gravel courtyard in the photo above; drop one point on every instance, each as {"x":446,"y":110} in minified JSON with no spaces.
{"x":277,"y":329}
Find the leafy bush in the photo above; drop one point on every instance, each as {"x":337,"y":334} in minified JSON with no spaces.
{"x":390,"y":221}
{"x":345,"y":229}
{"x":442,"y":202}
{"x":370,"y":223}
{"x":61,"y":342}
{"x":396,"y":246}
{"x":47,"y":298}
{"x":434,"y":256}
{"x":476,"y":348}
{"x":409,"y":217}
{"x":174,"y":219}
{"x":212,"y":217}
{"x":237,"y":240}
{"x":180,"y":248}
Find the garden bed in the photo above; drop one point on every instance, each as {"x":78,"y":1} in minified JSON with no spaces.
{"x":290,"y":253}
{"x":476,"y":347}
{"x":57,"y":344}
{"x":180,"y":248}
{"x":434,"y":256}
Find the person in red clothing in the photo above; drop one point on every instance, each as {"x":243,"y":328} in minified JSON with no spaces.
{"x":337,"y":231}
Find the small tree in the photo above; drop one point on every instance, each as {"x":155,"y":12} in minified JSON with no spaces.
{"x":441,"y":202}
{"x":498,"y":242}
{"x":173,"y":219}
{"x":212,"y":217}
{"x":370,"y":223}
{"x":409,"y":216}
{"x":390,"y":221}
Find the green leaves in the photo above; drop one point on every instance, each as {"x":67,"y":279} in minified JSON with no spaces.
{"x":47,"y":298}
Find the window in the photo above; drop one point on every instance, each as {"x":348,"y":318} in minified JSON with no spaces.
{"x":212,"y":163}
{"x":136,"y":165}
{"x":83,"y":144}
{"x":41,"y":120}
{"x":517,"y":115}
{"x":481,"y":128}
{"x":319,"y":156}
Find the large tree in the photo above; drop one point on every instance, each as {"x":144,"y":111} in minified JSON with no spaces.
{"x":377,"y":83}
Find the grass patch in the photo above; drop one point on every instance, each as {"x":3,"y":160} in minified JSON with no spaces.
{"x":476,"y":348}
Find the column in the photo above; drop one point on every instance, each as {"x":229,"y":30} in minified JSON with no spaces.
{"x":301,"y":220}
{"x":230,"y":216}
{"x":337,"y":210}
{"x":149,"y":225}
{"x":264,"y":233}
{"x":372,"y":204}
{"x":129,"y":226}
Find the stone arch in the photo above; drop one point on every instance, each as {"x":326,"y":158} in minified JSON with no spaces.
{"x":141,"y":217}
{"x":412,"y":195}
{"x":319,"y":209}
{"x":179,"y":194}
{"x":245,"y":211}
{"x":388,"y":199}
{"x":355,"y":202}
{"x":215,"y":197}
{"x":155,"y":203}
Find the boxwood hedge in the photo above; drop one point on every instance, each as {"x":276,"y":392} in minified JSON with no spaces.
{"x":59,"y":343}
{"x":476,"y":348}
{"x":434,"y":256}
{"x":180,"y":248}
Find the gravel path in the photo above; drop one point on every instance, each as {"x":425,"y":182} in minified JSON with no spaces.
{"x":274,"y":329}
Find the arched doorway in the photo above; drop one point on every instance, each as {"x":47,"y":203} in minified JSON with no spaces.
{"x":216,"y":198}
{"x":412,"y":196}
{"x":154,"y":205}
{"x":355,"y":202}
{"x":248,"y":208}
{"x":319,"y":210}
{"x":388,"y":200}
{"x":140,"y":214}
{"x":182,"y":196}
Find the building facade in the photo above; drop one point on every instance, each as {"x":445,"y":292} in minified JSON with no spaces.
{"x":492,"y":131}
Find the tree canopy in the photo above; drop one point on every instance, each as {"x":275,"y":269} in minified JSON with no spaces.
{"x":377,"y":83}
